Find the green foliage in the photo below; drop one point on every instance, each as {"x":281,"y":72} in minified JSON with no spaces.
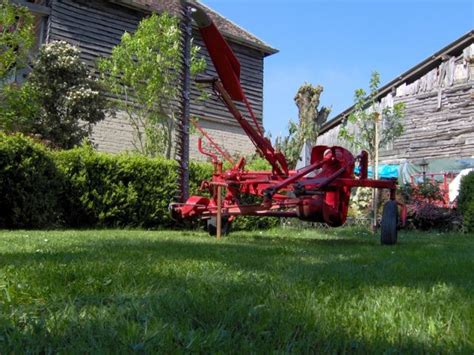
{"x":468,"y":217}
{"x":84,"y":188}
{"x":360,"y":202}
{"x":258,"y":164}
{"x":69,"y":100}
{"x":29,"y":184}
{"x":18,"y":108}
{"x":466,"y":201}
{"x":143,"y":72}
{"x":333,"y":291}
{"x":16,"y":36}
{"x":291,"y":144}
{"x":16,"y":39}
{"x":429,"y":190}
{"x":123,"y":191}
{"x":368,"y":118}
{"x":373,"y":127}
{"x":252,"y":223}
{"x":198,"y":172}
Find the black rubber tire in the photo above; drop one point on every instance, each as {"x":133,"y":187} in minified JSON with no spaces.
{"x":389,"y":223}
{"x":212,"y":226}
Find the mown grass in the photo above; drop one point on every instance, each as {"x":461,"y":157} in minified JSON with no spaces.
{"x":119,"y":291}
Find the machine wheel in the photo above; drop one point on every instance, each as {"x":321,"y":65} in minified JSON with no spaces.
{"x":212,"y":226}
{"x":388,"y":232}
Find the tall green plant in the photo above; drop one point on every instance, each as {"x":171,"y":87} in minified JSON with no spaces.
{"x":466,"y":201}
{"x":143,"y":72}
{"x":373,"y":126}
{"x":16,"y":36}
{"x":16,"y":39}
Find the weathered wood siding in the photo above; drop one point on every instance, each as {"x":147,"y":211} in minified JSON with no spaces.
{"x":439,"y":115}
{"x":97,"y":26}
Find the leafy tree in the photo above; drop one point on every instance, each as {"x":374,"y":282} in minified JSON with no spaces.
{"x":373,"y":126}
{"x":143,"y":72}
{"x":16,"y":36}
{"x":18,"y":108}
{"x":16,"y":39}
{"x":310,"y":120}
{"x":69,"y":100}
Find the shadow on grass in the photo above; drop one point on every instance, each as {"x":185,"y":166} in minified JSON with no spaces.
{"x":198,"y":294}
{"x":348,"y":259}
{"x":193,"y":315}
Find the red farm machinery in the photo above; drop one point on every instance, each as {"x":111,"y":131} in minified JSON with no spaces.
{"x":319,"y":192}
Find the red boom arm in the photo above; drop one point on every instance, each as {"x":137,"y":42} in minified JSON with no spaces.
{"x":229,"y":88}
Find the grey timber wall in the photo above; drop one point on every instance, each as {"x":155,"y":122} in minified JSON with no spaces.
{"x":439,"y":116}
{"x":97,"y":26}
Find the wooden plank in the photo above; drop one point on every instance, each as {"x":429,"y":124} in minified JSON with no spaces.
{"x":96,"y":30}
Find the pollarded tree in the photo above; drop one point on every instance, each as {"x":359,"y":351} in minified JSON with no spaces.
{"x":310,"y":120}
{"x":143,"y":73}
{"x":373,"y":126}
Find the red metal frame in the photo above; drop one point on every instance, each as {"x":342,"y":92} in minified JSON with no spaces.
{"x":319,"y":192}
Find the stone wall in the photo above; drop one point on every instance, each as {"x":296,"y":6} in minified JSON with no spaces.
{"x":115,"y":135}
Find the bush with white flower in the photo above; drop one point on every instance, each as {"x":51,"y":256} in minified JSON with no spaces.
{"x":69,"y":99}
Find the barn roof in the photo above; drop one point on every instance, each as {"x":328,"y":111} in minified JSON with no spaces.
{"x":453,"y":49}
{"x":227,"y":27}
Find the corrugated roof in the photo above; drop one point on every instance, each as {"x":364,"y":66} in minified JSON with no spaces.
{"x":412,"y":74}
{"x":227,"y":27}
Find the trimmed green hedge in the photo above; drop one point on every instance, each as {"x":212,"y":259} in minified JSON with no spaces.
{"x":115,"y":191}
{"x":29,"y":184}
{"x":466,"y":201}
{"x":81,"y":188}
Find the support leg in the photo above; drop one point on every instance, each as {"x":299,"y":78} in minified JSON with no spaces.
{"x":219,"y":212}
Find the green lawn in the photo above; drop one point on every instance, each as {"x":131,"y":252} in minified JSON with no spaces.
{"x":283,"y":290}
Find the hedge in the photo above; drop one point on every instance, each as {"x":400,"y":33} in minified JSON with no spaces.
{"x":466,"y":201}
{"x":115,"y":191}
{"x":29,"y":184}
{"x":84,"y":188}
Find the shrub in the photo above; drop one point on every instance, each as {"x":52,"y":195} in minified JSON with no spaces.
{"x":425,"y":215}
{"x":29,"y":184}
{"x":116,"y":191}
{"x":69,"y":101}
{"x":84,"y":188}
{"x":360,"y":202}
{"x":466,"y":201}
{"x":197,"y":173}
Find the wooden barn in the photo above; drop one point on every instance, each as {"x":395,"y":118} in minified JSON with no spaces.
{"x":439,"y":116}
{"x":96,"y":26}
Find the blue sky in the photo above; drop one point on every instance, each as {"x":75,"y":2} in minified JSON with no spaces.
{"x":339,"y":43}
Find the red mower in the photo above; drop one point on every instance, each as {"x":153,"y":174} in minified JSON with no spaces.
{"x":319,"y":192}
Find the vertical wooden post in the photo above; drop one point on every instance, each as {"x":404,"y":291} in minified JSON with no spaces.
{"x":375,"y":173}
{"x":219,"y":212}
